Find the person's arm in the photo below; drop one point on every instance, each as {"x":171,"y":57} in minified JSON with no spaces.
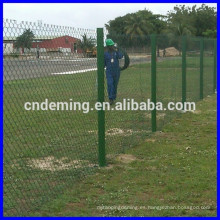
{"x":119,"y":54}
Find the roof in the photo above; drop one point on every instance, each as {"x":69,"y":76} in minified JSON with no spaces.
{"x":13,"y":38}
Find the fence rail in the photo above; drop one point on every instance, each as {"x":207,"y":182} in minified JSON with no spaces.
{"x":46,"y":151}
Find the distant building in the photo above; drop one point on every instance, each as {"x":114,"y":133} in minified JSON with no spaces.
{"x":7,"y":48}
{"x":8,"y":45}
{"x":45,"y":43}
{"x":62,"y":44}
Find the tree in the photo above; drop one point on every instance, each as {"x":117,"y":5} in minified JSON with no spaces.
{"x":131,"y":29}
{"x":210,"y":33}
{"x":87,"y":43}
{"x":180,"y":19}
{"x":137,"y":28}
{"x":175,"y":32}
{"x":205,"y":19}
{"x":117,"y":25}
{"x":116,"y":31}
{"x":25,"y":40}
{"x":159,"y":27}
{"x":137,"y":25}
{"x":180,"y":30}
{"x":195,"y":20}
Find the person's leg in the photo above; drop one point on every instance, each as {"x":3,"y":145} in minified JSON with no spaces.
{"x":110,"y":86}
{"x":116,"y":80}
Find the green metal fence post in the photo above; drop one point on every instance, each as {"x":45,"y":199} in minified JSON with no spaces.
{"x":215,"y":60}
{"x":183,"y":70}
{"x":201,"y":66}
{"x":153,"y":82}
{"x":101,"y":113}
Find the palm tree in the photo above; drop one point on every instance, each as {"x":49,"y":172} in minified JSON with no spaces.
{"x":181,"y":30}
{"x":86,"y":44}
{"x":137,"y":26}
{"x":175,"y":32}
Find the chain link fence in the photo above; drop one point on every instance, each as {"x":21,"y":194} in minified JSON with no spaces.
{"x":46,"y":151}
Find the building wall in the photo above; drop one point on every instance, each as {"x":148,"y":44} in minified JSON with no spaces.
{"x":7,"y":48}
{"x":59,"y":43}
{"x":34,"y":50}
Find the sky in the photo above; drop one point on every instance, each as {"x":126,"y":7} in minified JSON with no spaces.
{"x":81,"y":15}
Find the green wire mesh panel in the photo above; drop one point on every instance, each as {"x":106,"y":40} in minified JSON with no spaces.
{"x":48,"y":148}
{"x":45,"y":152}
{"x":127,"y":128}
{"x":169,"y":76}
{"x":193,"y":69}
{"x":208,"y":66}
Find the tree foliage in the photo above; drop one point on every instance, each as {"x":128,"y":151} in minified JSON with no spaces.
{"x":86,"y":44}
{"x":134,"y":29}
{"x":25,"y":40}
{"x":210,"y":33}
{"x":195,"y":20}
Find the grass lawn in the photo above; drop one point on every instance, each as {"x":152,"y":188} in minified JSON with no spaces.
{"x":46,"y":153}
{"x":173,"y":173}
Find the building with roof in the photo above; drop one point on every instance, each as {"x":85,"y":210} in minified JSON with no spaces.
{"x":65,"y":43}
{"x":61,"y":44}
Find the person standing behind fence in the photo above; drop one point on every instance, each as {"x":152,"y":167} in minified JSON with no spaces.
{"x":38,"y":52}
{"x":164,"y":52}
{"x":112,"y":56}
